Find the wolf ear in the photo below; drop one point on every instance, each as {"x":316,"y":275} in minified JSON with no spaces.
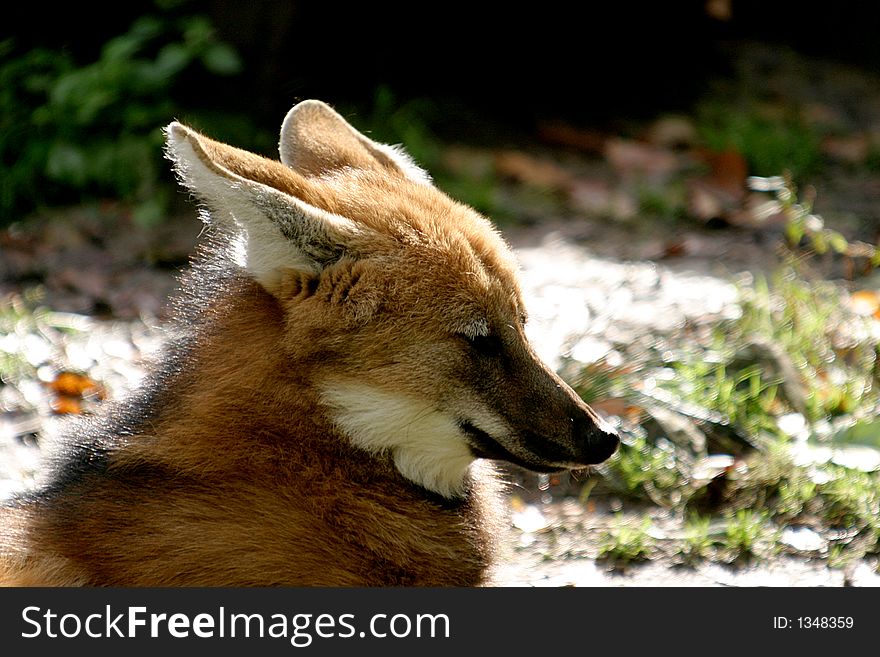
{"x":316,"y":140}
{"x":257,"y":201}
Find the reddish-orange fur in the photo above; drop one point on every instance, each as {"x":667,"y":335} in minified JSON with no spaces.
{"x":218,"y":494}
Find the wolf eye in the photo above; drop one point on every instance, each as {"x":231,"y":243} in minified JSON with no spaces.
{"x":485,"y":345}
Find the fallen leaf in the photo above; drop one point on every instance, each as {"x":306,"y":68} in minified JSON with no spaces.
{"x":534,"y":171}
{"x":634,"y":158}
{"x":617,"y":406}
{"x":72,"y":384}
{"x":865,"y":303}
{"x":64,"y":405}
{"x":675,"y":248}
{"x":562,"y":134}
{"x":852,"y":149}
{"x":721,"y":193}
{"x":672,"y":132}
{"x":729,"y":170}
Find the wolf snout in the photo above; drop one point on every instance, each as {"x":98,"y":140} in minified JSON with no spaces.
{"x":597,"y":439}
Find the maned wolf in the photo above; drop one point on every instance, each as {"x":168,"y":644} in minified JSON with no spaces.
{"x":348,"y":346}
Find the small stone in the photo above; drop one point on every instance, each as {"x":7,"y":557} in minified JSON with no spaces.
{"x":529,"y":520}
{"x":803,"y":539}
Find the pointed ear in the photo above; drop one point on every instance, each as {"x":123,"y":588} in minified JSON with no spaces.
{"x":254,"y":199}
{"x":316,"y":140}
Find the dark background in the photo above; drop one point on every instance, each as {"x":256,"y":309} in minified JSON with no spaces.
{"x":577,"y":61}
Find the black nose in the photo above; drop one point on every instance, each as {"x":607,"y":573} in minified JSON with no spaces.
{"x":597,"y":439}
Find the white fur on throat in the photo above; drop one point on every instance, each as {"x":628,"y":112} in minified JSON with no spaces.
{"x":427,"y":445}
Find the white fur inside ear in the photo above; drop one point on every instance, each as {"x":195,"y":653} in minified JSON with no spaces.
{"x":240,"y":207}
{"x":426,"y":444}
{"x":270,"y":231}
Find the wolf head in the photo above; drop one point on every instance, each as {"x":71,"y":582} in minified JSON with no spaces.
{"x":401,"y":306}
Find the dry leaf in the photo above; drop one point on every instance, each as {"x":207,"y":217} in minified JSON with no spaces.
{"x":71,"y":384}
{"x":672,"y":132}
{"x":865,"y":303}
{"x":728,"y":170}
{"x":852,"y":149}
{"x":675,"y":248}
{"x":631,"y":157}
{"x":613,"y":406}
{"x":63,"y":405}
{"x":533,"y":171}
{"x":562,"y":134}
{"x":720,"y":194}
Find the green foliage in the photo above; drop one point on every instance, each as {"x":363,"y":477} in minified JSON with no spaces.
{"x":26,"y":328}
{"x":390,"y":121}
{"x":71,"y":131}
{"x":742,"y":395}
{"x":747,"y":532}
{"x":626,"y":541}
{"x":698,"y":542}
{"x":795,"y":493}
{"x":639,"y":469}
{"x":797,"y":352}
{"x":809,"y":321}
{"x":803,"y":225}
{"x":15,"y":320}
{"x":852,"y":499}
{"x":769,"y":143}
{"x":667,"y":202}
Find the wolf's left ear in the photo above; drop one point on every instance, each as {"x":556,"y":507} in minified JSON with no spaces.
{"x":262,"y":205}
{"x":316,"y":140}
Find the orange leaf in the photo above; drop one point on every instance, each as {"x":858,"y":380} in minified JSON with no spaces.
{"x":535,"y":171}
{"x":72,"y":384}
{"x":865,"y":303}
{"x":66,"y":406}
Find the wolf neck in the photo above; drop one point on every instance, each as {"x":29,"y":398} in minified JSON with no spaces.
{"x":240,"y":395}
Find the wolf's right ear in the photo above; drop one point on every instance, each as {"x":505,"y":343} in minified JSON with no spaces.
{"x":259,"y":202}
{"x":316,"y":140}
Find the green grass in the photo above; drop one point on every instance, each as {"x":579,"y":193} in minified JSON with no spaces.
{"x":797,"y":367}
{"x":72,"y":131}
{"x":640,"y":469}
{"x":26,"y":328}
{"x":769,"y":143}
{"x":627,"y":542}
{"x":698,"y":543}
{"x":18,"y":318}
{"x":748,"y":533}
